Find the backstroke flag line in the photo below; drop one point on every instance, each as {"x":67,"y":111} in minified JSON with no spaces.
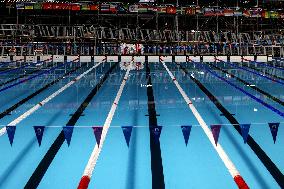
{"x":215,"y":129}
{"x":186,"y":132}
{"x":127,"y":130}
{"x":11,"y":133}
{"x":274,"y":130}
{"x":68,"y":131}
{"x":39,"y":133}
{"x":245,"y":130}
{"x":98,"y":133}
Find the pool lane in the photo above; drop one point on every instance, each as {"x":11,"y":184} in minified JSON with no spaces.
{"x":243,"y":106}
{"x":248,"y":89}
{"x":250,"y":83}
{"x":21,"y":159}
{"x":186,"y":167}
{"x":11,"y":96}
{"x":29,"y":88}
{"x":124,"y":166}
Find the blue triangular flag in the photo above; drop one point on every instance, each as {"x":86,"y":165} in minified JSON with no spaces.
{"x":186,"y":132}
{"x":39,"y":133}
{"x":68,"y":131}
{"x":156,"y":131}
{"x":215,"y":129}
{"x":245,"y":130}
{"x":127,"y":130}
{"x":11,"y":133}
{"x":274,"y":130}
{"x":98,"y":133}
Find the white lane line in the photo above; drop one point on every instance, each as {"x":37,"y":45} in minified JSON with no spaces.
{"x":85,"y":179}
{"x":221,"y":152}
{"x":46,"y":100}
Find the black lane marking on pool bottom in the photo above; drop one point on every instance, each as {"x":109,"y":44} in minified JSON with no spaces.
{"x":156,"y":157}
{"x":21,"y":102}
{"x":249,"y":85}
{"x":263,"y":157}
{"x":22,"y":76}
{"x":42,"y":167}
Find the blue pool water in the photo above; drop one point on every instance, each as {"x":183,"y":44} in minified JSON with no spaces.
{"x":194,"y":166}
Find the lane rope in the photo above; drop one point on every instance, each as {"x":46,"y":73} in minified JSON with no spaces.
{"x":219,"y":149}
{"x":85,"y":179}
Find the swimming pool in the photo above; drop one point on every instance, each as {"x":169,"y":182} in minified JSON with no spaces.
{"x":144,"y":103}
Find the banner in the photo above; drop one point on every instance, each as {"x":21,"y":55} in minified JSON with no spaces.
{"x":246,"y":13}
{"x":105,"y":8}
{"x":228,"y":12}
{"x":209,"y":12}
{"x":60,"y":6}
{"x":47,"y":6}
{"x":37,"y":6}
{"x":238,"y":12}
{"x":255,"y":13}
{"x":171,"y":10}
{"x":75,"y":7}
{"x":133,"y":8}
{"x":190,"y":11}
{"x":20,"y":6}
{"x":29,"y":6}
{"x":85,"y":7}
{"x":94,"y":7}
{"x":142,"y":8}
{"x":162,"y":10}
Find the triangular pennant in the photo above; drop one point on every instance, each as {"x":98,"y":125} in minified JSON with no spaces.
{"x":127,"y":130}
{"x":156,"y":131}
{"x":11,"y":133}
{"x":215,"y":129}
{"x":98,"y":133}
{"x":274,"y":130}
{"x":245,"y":130}
{"x":39,"y":133}
{"x":68,"y":131}
{"x":186,"y":132}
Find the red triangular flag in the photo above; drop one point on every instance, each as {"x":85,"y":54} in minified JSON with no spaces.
{"x":98,"y":133}
{"x":215,"y":129}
